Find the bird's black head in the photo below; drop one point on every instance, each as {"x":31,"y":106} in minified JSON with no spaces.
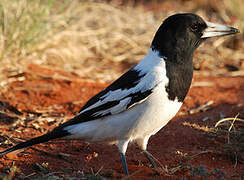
{"x":176,"y":40}
{"x":180,"y":34}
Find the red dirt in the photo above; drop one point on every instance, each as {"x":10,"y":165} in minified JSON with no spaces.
{"x":172,"y":146}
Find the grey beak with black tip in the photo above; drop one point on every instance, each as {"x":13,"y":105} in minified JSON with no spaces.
{"x":214,"y":29}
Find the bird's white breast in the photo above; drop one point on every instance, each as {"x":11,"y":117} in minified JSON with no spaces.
{"x":157,"y":111}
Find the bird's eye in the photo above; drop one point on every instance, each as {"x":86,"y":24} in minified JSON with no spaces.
{"x":194,"y":27}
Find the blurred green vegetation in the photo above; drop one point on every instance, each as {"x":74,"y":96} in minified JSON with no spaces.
{"x":23,"y":23}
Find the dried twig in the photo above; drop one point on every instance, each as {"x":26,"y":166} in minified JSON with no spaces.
{"x":201,"y":108}
{"x":229,"y":119}
{"x":59,"y":156}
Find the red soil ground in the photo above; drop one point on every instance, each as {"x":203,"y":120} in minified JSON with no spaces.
{"x":175,"y":144}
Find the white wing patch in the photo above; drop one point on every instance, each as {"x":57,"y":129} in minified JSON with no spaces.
{"x":116,"y":109}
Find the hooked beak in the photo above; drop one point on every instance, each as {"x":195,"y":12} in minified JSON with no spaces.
{"x":214,"y":29}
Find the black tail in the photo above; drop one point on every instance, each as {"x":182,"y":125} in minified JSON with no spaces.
{"x":44,"y":138}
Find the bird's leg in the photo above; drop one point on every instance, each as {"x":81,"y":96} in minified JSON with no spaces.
{"x":123,"y":159}
{"x":150,"y":158}
{"x":142,"y":143}
{"x":122,"y":145}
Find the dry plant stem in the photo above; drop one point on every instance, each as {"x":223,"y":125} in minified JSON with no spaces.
{"x":229,"y":119}
{"x":202,"y":152}
{"x":29,"y":175}
{"x":203,"y":107}
{"x":232,"y":124}
{"x":59,"y":156}
{"x":99,"y":170}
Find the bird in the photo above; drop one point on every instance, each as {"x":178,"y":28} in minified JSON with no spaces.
{"x":145,"y":98}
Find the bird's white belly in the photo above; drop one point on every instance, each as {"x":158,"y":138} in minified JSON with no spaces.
{"x":143,"y":119}
{"x":157,"y":111}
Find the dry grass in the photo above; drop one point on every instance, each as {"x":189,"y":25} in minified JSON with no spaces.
{"x":80,"y":35}
{"x":23,"y":23}
{"x":87,"y":37}
{"x":228,"y":133}
{"x":231,"y":132}
{"x":200,"y":128}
